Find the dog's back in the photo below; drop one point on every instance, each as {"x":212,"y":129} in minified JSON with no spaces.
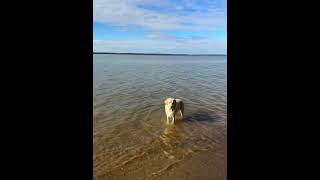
{"x":180,"y":105}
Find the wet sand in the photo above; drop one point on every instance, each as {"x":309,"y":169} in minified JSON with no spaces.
{"x":199,"y":164}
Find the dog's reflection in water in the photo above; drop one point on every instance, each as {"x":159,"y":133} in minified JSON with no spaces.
{"x":171,"y":136}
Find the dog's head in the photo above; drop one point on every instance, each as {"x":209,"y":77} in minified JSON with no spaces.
{"x":171,"y":103}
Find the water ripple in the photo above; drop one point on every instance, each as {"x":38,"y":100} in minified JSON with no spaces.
{"x":129,"y":119}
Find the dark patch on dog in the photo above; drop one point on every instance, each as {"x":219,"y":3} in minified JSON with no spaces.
{"x":174,"y":103}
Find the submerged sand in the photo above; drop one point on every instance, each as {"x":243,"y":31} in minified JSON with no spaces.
{"x":131,"y":139}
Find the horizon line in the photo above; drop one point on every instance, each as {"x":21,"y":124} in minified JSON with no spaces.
{"x":160,"y":54}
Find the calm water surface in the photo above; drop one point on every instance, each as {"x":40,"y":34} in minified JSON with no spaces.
{"x":131,"y":139}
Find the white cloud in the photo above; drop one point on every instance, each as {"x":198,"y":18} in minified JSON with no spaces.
{"x":128,"y":12}
{"x":187,"y":15}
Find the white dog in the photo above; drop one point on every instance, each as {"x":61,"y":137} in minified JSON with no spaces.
{"x":172,"y":106}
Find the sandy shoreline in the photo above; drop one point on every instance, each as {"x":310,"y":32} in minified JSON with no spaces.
{"x":199,"y":165}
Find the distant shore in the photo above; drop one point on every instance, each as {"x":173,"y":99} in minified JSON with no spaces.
{"x":160,"y":54}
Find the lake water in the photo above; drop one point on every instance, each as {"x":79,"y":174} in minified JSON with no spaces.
{"x":131,"y":139}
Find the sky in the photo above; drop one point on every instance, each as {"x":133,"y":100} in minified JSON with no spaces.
{"x":160,"y":26}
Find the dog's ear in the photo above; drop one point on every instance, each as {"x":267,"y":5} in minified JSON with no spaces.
{"x":166,"y":101}
{"x":174,"y":101}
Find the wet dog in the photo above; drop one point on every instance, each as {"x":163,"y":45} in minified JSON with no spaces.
{"x":172,"y":107}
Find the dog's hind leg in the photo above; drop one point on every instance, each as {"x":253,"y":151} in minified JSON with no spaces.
{"x":182,"y":110}
{"x":181,"y":114}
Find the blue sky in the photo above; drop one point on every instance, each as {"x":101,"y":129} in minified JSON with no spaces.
{"x":160,"y":26}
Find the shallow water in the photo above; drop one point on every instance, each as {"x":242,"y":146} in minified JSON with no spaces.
{"x":131,"y":139}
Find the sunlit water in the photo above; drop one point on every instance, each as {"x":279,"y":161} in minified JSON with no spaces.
{"x":131,"y":138}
